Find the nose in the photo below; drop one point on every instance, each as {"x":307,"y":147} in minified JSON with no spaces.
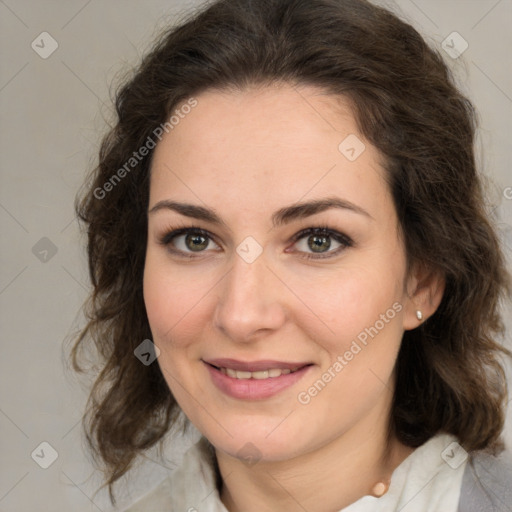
{"x":250,"y":301}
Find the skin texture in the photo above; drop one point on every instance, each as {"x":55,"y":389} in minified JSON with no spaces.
{"x":246,"y":155}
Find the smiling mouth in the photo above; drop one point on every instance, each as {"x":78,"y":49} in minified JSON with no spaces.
{"x":271,"y":373}
{"x":258,"y":370}
{"x":256,"y":380}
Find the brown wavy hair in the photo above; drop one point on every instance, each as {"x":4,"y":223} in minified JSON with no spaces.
{"x":406,"y":103}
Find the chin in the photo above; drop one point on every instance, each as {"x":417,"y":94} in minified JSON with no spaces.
{"x":253,"y":440}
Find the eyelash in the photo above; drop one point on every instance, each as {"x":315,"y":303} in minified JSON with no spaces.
{"x":341,"y":238}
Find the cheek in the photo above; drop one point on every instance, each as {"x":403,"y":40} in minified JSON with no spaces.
{"x":363,"y":313}
{"x":172,"y":298}
{"x":351,"y":302}
{"x":172,"y":305}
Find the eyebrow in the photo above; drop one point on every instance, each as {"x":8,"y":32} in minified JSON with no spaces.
{"x":282,"y":216}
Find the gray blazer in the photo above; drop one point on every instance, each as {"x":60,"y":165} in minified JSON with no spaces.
{"x":487,"y":483}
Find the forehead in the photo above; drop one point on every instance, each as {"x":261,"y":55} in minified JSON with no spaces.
{"x":266,"y":146}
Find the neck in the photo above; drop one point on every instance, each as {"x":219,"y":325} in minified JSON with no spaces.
{"x":339,"y":472}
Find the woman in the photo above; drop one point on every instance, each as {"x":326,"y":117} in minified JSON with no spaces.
{"x":288,"y":244}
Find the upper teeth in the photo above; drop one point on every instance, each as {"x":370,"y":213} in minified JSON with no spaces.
{"x":262,"y":374}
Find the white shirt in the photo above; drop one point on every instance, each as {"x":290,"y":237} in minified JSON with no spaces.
{"x":428,"y":480}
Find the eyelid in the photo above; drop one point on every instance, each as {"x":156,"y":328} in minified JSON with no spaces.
{"x":321,"y":230}
{"x":171,"y":233}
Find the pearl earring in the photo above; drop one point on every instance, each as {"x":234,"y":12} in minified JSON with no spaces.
{"x":379,"y":489}
{"x":419,"y":315}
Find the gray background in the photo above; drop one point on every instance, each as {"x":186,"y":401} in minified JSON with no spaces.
{"x":53,"y":114}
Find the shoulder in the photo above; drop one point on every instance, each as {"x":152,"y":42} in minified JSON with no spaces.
{"x":194,"y":477}
{"x":157,"y":500}
{"x":487,"y":483}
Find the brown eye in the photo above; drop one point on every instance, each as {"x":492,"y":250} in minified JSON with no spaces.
{"x":186,"y":241}
{"x":196,"y":242}
{"x":319,"y":243}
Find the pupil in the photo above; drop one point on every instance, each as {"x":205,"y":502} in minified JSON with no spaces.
{"x":196,"y":242}
{"x":317,"y":243}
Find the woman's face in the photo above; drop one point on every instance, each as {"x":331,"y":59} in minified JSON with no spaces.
{"x":272,"y":333}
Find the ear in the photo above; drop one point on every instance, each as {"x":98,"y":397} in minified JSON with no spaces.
{"x":424,"y":289}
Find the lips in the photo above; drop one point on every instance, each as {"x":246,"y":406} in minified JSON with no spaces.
{"x":255,"y":366}
{"x":271,"y":373}
{"x":254,"y":380}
